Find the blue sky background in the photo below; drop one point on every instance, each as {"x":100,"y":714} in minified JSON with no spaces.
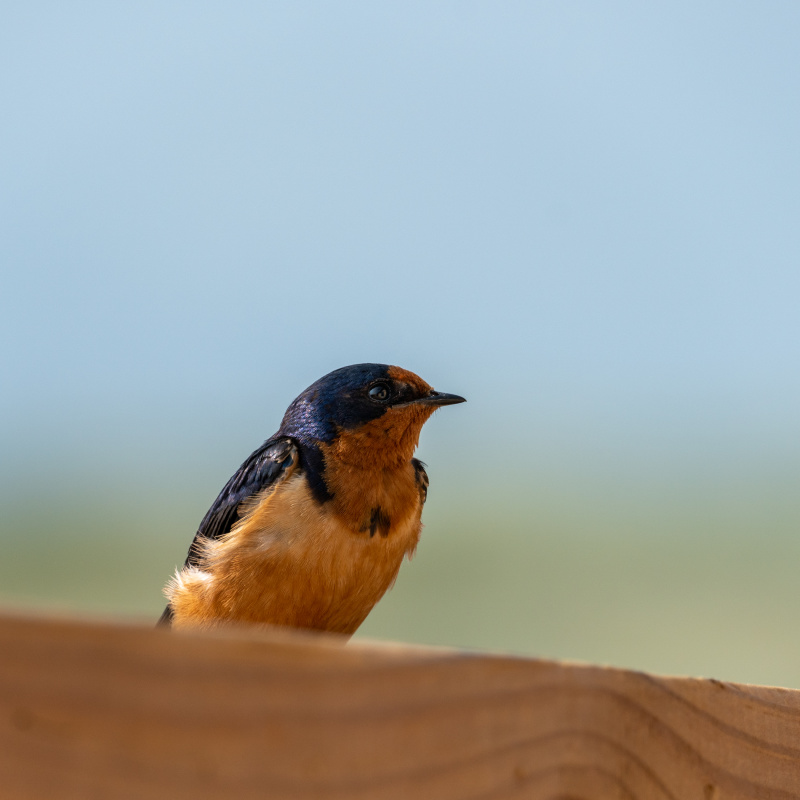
{"x":582,"y":217}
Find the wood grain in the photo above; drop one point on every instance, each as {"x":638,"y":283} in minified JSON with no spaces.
{"x":91,"y":710}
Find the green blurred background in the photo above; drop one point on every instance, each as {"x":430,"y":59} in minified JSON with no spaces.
{"x":582,"y":217}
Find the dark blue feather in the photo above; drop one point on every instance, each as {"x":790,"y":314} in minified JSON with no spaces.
{"x":258,"y":472}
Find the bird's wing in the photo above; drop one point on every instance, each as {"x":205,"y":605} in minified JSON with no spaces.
{"x":274,"y":460}
{"x":422,"y":479}
{"x":264,"y":468}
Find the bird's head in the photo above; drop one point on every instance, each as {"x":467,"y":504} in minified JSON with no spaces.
{"x":365,"y":414}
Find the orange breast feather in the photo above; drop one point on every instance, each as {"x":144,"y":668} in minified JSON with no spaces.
{"x":294,"y":561}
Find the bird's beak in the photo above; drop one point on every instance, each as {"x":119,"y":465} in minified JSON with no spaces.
{"x":439,"y":399}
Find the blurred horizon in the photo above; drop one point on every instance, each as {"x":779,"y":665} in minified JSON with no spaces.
{"x":582,"y":219}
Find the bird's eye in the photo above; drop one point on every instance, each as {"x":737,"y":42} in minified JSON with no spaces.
{"x":380,"y":392}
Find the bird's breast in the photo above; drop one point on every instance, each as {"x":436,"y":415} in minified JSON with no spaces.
{"x":374,"y":501}
{"x":295,"y":561}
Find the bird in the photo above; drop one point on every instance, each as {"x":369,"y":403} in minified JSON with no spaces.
{"x":310,"y":532}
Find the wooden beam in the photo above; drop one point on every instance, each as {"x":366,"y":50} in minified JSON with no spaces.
{"x":92,"y":710}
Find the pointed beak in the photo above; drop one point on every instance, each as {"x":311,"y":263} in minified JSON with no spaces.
{"x":440,"y":399}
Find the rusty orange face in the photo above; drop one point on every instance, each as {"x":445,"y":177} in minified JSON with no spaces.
{"x":383,"y":417}
{"x":363,"y":400}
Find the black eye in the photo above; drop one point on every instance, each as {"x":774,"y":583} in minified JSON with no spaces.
{"x":380,"y":392}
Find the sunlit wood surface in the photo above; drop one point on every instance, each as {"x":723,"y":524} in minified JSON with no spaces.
{"x":93,"y":710}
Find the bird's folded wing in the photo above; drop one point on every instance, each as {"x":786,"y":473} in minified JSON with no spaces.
{"x":263,"y":468}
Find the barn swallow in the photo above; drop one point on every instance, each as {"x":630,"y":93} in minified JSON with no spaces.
{"x":311,"y":530}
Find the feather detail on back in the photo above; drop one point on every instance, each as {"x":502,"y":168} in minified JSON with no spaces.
{"x":274,"y":460}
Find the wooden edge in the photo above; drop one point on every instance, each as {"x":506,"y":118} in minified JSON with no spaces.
{"x":95,"y":709}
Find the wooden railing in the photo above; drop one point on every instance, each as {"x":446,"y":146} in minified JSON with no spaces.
{"x":92,"y":710}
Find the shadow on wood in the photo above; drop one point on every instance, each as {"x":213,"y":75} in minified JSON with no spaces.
{"x":91,"y":710}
